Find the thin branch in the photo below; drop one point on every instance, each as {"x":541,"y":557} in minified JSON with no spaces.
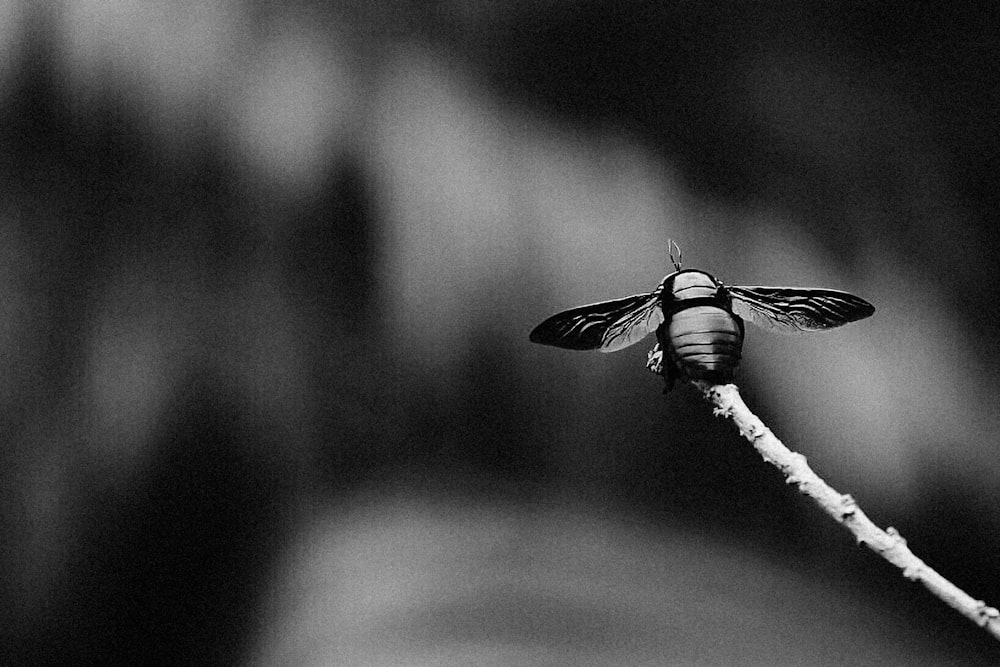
{"x":887,"y":543}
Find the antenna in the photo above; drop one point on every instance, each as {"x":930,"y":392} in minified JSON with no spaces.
{"x":671,"y":247}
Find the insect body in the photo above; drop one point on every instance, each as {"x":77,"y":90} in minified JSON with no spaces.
{"x":698,"y":322}
{"x":702,"y":337}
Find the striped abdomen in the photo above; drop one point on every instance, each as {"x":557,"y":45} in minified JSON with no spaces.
{"x":704,"y":342}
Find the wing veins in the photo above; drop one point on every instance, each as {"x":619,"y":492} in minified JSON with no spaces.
{"x":792,"y":309}
{"x":606,"y":326}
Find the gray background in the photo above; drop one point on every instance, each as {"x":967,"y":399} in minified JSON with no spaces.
{"x":267,"y":275}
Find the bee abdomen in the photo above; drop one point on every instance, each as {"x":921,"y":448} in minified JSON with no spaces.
{"x":705,"y":342}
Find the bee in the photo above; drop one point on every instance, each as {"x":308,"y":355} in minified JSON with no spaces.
{"x":698,"y":321}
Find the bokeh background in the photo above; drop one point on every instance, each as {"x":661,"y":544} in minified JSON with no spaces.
{"x":266,"y":277}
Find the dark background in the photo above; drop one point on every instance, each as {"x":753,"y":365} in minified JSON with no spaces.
{"x":267,"y":274}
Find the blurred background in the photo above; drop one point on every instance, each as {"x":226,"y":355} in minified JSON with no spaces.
{"x":266,"y":278}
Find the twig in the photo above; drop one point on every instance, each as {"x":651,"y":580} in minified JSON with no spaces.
{"x":887,"y":543}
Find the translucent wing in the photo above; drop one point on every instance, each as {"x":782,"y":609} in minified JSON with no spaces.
{"x":605,"y":326}
{"x":791,"y":309}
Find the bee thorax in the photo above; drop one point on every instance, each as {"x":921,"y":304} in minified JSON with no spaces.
{"x":688,"y":285}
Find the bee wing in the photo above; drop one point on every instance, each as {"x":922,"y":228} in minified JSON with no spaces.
{"x":607,"y":326}
{"x":793,"y":309}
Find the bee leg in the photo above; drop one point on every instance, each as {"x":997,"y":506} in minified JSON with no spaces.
{"x":669,"y":377}
{"x":654,"y":360}
{"x":654,"y":364}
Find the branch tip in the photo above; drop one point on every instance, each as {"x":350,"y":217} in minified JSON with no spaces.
{"x":887,"y":543}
